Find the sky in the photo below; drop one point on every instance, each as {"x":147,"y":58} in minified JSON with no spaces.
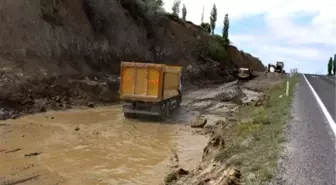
{"x":301,"y":33}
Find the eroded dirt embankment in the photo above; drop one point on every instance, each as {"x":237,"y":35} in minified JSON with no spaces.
{"x":59,"y":54}
{"x":220,"y":110}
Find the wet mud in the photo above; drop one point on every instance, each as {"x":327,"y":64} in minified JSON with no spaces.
{"x":94,"y":146}
{"x":100,"y":146}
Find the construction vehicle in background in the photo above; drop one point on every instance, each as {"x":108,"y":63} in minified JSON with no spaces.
{"x":150,"y":89}
{"x":245,"y":73}
{"x":279,"y":67}
{"x":271,"y":68}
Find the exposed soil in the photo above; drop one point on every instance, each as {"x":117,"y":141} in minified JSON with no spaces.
{"x":222,"y":111}
{"x":60,"y":54}
{"x":57,"y":93}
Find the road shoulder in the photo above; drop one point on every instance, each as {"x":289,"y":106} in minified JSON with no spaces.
{"x":309,"y":153}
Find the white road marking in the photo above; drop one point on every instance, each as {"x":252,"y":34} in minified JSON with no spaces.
{"x":331,"y":122}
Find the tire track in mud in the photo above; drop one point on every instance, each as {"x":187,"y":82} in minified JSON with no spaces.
{"x":20,"y":181}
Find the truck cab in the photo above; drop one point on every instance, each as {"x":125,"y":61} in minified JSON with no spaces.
{"x":280,"y":64}
{"x":279,"y":67}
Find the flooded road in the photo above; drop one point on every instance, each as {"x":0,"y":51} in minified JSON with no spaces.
{"x":94,"y":146}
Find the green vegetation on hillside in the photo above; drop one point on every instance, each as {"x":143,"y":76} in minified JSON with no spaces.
{"x":151,"y":8}
{"x":216,"y":46}
{"x":217,"y":49}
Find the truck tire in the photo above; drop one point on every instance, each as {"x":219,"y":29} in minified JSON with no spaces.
{"x":129,"y":115}
{"x":163,"y":111}
{"x":179,"y":99}
{"x":168,"y":109}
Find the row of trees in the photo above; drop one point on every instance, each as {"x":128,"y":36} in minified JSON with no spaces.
{"x":213,"y":19}
{"x":176,"y":9}
{"x":332,"y":66}
{"x":209,"y":27}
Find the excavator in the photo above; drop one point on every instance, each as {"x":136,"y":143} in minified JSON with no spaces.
{"x":279,"y":67}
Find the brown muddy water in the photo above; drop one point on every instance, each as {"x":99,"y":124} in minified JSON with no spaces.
{"x":94,"y":146}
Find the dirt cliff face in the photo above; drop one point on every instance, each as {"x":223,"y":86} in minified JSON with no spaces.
{"x":42,"y":41}
{"x":61,"y":30}
{"x":240,"y":58}
{"x":85,"y":36}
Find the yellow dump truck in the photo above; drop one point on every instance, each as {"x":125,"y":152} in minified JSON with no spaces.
{"x":245,"y":73}
{"x":149,"y":89}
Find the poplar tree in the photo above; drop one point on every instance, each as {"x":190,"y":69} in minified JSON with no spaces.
{"x":330,"y":66}
{"x":176,"y":7}
{"x":213,"y":19}
{"x":184,"y":12}
{"x":226,"y":28}
{"x":334,"y":64}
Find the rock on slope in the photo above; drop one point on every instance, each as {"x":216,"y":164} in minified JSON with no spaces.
{"x":48,"y":47}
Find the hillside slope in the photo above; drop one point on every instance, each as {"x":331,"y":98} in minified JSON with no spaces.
{"x":59,"y":53}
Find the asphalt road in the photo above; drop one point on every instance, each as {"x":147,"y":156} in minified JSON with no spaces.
{"x":310,"y":155}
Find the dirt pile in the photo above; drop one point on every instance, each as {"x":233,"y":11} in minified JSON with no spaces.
{"x":213,"y":174}
{"x":44,"y":40}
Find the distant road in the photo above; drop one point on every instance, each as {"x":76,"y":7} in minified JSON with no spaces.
{"x":310,"y":155}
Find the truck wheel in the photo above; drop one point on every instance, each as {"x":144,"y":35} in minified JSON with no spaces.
{"x":129,"y":115}
{"x":168,"y":111}
{"x":163,"y":111}
{"x":179,"y":99}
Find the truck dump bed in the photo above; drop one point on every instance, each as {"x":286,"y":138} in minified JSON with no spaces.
{"x":148,"y":82}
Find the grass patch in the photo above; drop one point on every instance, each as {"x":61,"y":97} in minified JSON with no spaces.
{"x":254,"y":145}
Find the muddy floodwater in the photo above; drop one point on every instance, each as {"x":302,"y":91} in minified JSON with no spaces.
{"x":94,"y":146}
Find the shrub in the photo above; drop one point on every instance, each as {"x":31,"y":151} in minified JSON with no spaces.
{"x":217,"y":52}
{"x":206,"y":27}
{"x":217,"y":49}
{"x":221,"y":41}
{"x":152,"y":9}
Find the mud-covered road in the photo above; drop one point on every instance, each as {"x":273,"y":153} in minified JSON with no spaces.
{"x":94,"y":146}
{"x":100,"y":146}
